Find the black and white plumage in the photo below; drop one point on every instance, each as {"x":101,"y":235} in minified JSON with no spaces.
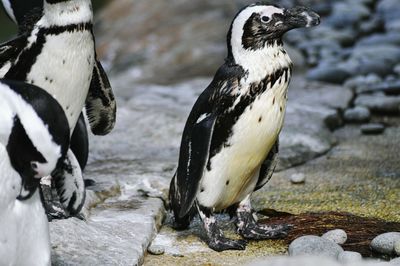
{"x":230,"y":140}
{"x":34,"y":140}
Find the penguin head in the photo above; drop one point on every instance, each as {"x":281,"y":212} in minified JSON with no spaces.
{"x":259,"y":25}
{"x":38,"y":133}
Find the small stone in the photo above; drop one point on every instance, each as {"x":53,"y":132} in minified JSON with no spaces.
{"x":298,"y":178}
{"x":337,"y":236}
{"x":385,"y":243}
{"x":397,"y":247}
{"x":380,"y":103}
{"x":331,"y":74}
{"x":348,"y":257}
{"x":314,"y":245}
{"x":156,"y":250}
{"x":358,"y":114}
{"x":372,"y":129}
{"x":395,"y":262}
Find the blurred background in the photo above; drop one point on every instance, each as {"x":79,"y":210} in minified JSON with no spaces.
{"x":339,"y":148}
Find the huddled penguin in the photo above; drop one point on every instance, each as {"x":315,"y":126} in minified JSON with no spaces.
{"x":55,"y":50}
{"x":34,"y":141}
{"x":230,"y":140}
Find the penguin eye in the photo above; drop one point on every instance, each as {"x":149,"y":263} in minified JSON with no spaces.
{"x":265,"y":19}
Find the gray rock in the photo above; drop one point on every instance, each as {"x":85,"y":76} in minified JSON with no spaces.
{"x":329,"y":73}
{"x":156,"y":250}
{"x":397,"y":248}
{"x":370,"y":26}
{"x":357,"y":114}
{"x":396,"y":69}
{"x":384,"y":243}
{"x":361,"y":83}
{"x":314,"y":245}
{"x":295,"y":261}
{"x":379,"y":103}
{"x":380,"y":38}
{"x":346,"y":14}
{"x":337,"y":236}
{"x":388,"y":10}
{"x":349,"y":257}
{"x":372,"y":129}
{"x":344,"y":36}
{"x":395,"y":262}
{"x":298,"y":178}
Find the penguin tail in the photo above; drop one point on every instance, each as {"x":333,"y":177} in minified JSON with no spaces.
{"x":180,"y":222}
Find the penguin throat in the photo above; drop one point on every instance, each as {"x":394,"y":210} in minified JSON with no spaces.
{"x":67,"y":13}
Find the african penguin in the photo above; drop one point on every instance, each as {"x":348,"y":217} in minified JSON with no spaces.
{"x":230,"y":140}
{"x":34,"y":140}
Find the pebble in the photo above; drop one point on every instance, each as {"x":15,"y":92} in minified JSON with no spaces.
{"x":298,"y":178}
{"x":314,"y":245}
{"x":328,"y":73}
{"x":337,"y":236}
{"x":395,"y":262}
{"x":384,"y":243}
{"x":358,"y":114}
{"x":372,"y":129}
{"x":379,"y":103}
{"x":348,"y":257}
{"x":156,"y":250}
{"x":397,"y":247}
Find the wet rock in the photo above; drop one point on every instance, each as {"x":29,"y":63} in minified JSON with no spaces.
{"x":314,"y":245}
{"x":357,"y":114}
{"x":298,"y":178}
{"x":348,"y":257}
{"x":387,"y":53}
{"x":388,"y":10}
{"x":397,"y":248}
{"x":379,"y":103}
{"x":344,"y":36}
{"x":361,"y":83}
{"x":337,"y":236}
{"x":328,"y":73}
{"x":380,"y":38}
{"x":385,"y":243}
{"x":346,"y":14}
{"x":156,"y":250}
{"x":372,"y":129}
{"x":370,"y":26}
{"x":334,"y":120}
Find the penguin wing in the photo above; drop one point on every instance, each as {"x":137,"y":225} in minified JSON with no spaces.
{"x":70,"y":184}
{"x":101,"y":107}
{"x":10,"y":50}
{"x":268,"y":166}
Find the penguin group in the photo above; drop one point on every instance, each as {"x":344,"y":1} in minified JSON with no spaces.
{"x":48,"y":74}
{"x":230,"y":142}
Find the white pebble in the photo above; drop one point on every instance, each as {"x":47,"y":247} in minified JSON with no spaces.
{"x":395,"y":262}
{"x":298,"y":178}
{"x":397,"y":247}
{"x":384,"y":243}
{"x":337,"y":236}
{"x":156,"y":250}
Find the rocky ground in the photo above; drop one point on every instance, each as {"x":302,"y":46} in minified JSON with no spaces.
{"x":339,"y":165}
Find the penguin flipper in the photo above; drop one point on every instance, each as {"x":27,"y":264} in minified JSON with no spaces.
{"x":101,"y":107}
{"x":70,"y":184}
{"x":193,"y":161}
{"x":268,"y":166}
{"x":10,"y":50}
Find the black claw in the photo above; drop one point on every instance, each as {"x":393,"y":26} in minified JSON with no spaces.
{"x":222,"y":244}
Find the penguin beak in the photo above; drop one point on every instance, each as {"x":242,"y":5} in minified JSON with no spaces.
{"x":300,"y":17}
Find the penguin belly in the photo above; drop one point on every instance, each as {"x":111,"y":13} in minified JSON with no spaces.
{"x":64,"y":69}
{"x":235,"y":168}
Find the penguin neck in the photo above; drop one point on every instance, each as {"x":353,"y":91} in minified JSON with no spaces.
{"x":67,"y":13}
{"x":10,"y":181}
{"x":260,"y":63}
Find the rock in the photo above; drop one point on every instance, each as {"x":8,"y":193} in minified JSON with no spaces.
{"x":156,"y":250}
{"x":295,"y":261}
{"x":298,"y":178}
{"x":314,"y":245}
{"x":337,"y":236}
{"x":370,"y":26}
{"x":397,"y":247}
{"x":372,"y":129}
{"x":361,"y":83}
{"x":379,"y":103}
{"x":357,"y":114}
{"x":388,"y":10}
{"x":384,"y":243}
{"x":346,"y":14}
{"x":344,"y":36}
{"x":329,"y":73}
{"x":396,"y":69}
{"x":395,"y":262}
{"x":334,"y":120}
{"x":349,"y":257}
{"x":380,"y":38}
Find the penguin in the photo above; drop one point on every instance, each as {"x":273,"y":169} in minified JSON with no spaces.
{"x":231,"y":137}
{"x":100,"y":102}
{"x":34,"y":141}
{"x":55,"y":50}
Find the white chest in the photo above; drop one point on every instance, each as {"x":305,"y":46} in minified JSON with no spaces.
{"x":235,"y":169}
{"x":64,"y":69}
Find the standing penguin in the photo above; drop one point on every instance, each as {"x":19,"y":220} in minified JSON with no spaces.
{"x":230,"y":141}
{"x":55,"y":50}
{"x":34,"y":140}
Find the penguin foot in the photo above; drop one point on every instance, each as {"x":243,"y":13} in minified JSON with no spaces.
{"x":223,"y":243}
{"x":53,"y":208}
{"x":248,"y":227}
